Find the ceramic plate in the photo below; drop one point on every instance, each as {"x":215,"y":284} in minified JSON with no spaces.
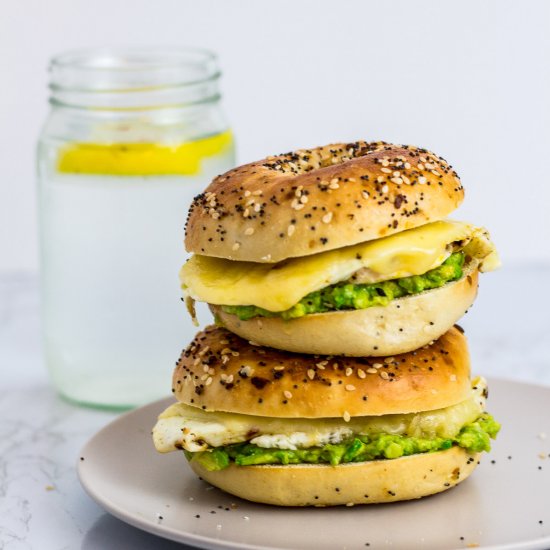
{"x":505,"y":504}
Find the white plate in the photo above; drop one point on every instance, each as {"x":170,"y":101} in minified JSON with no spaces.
{"x":504,"y":505}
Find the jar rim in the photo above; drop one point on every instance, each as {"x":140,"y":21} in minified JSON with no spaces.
{"x":129,"y":69}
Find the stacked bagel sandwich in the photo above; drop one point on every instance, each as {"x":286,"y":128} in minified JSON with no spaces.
{"x":334,"y":373}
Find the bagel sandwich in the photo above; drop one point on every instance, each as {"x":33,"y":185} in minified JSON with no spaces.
{"x":344,"y":249}
{"x":299,"y":430}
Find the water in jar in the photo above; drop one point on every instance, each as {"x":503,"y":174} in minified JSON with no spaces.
{"x":112,"y":230}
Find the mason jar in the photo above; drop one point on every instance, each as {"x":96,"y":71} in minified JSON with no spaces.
{"x":132,"y":136}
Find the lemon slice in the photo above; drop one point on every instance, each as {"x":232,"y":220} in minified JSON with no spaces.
{"x":141,"y":159}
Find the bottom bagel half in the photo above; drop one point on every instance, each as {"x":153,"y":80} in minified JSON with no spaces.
{"x":376,"y":481}
{"x":404,"y":325}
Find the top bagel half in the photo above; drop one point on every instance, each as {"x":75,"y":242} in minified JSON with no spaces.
{"x":319,"y":199}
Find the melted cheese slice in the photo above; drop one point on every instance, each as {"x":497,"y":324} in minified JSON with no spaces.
{"x":277,"y":287}
{"x":183,"y":427}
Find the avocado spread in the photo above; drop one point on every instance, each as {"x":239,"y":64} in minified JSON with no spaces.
{"x":347,"y":295}
{"x":474,"y":437}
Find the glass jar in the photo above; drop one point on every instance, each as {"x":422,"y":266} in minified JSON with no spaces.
{"x":133,"y":135}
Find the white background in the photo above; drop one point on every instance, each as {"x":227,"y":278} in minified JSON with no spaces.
{"x":469,"y":80}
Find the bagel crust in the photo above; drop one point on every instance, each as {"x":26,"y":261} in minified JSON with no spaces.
{"x":313,"y":200}
{"x":378,"y":481}
{"x":221,"y":372}
{"x":404,"y":325}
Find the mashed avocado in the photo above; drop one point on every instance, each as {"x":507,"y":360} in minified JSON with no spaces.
{"x":360,"y":296}
{"x":474,"y":437}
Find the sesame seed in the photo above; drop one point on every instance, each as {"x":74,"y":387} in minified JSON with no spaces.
{"x":420,"y":166}
{"x":406,"y":180}
{"x":279,"y":367}
{"x":296,"y":205}
{"x":246,"y":213}
{"x":384,"y":375}
{"x":346,"y":416}
{"x":350,"y":387}
{"x":247,"y":370}
{"x":247,"y":193}
{"x":385,"y":189}
{"x":303,"y":199}
{"x":349,"y":371}
{"x":422,"y":180}
{"x":365,"y":194}
{"x":372,"y":371}
{"x":333,"y":185}
{"x":396,"y":174}
{"x":327,"y":217}
{"x":350,"y":504}
{"x":249,"y":231}
{"x":287,"y":394}
{"x":385,"y":170}
{"x":311,"y":374}
{"x":389,"y":360}
{"x":236,"y":246}
{"x":407,"y":165}
{"x":290,"y":230}
{"x":377,"y":365}
{"x":380,"y":179}
{"x":258,"y":192}
{"x":435,"y":173}
{"x":208,"y":381}
{"x":397,"y":181}
{"x":361,"y":373}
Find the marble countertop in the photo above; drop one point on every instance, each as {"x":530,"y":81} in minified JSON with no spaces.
{"x":42,"y":505}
